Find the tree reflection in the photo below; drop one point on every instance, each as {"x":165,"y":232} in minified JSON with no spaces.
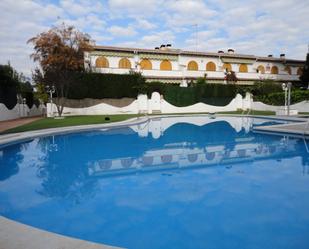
{"x":69,"y":181}
{"x":10,"y":158}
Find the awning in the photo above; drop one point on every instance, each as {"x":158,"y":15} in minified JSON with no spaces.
{"x":237,"y":60}
{"x":158,"y":56}
{"x":111,"y":53}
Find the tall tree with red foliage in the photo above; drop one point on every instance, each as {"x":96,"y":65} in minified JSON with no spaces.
{"x":59,"y":52}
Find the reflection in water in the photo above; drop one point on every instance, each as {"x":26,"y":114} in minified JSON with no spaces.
{"x":120,"y":180}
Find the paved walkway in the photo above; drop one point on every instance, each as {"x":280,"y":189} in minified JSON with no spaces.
{"x":293,"y":128}
{"x":14,"y":235}
{"x":5,"y":125}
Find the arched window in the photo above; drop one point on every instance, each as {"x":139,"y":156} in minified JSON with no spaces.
{"x":261,"y":69}
{"x":192,"y":66}
{"x":227,"y":67}
{"x":145,"y":64}
{"x":166,"y":65}
{"x":299,"y":71}
{"x":243,"y":68}
{"x":101,"y":62}
{"x":124,"y":63}
{"x":210,"y":66}
{"x":274,"y":70}
{"x":288,"y":70}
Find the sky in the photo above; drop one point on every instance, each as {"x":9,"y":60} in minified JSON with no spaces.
{"x":258,"y":27}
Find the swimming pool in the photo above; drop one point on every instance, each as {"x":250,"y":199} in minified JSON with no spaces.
{"x":179,"y":182}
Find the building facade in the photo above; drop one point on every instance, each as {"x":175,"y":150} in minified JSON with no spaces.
{"x":177,"y":66}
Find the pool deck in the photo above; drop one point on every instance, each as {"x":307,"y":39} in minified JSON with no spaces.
{"x":298,"y":129}
{"x":14,"y":235}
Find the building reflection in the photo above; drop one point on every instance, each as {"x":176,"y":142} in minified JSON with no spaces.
{"x":236,"y":145}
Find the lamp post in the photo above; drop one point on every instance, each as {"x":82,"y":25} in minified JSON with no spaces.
{"x":24,"y":103}
{"x":286,"y":87}
{"x":51,"y":90}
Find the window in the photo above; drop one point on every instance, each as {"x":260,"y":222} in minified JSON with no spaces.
{"x":124,"y":63}
{"x":146,"y":64}
{"x":166,"y":65}
{"x":274,"y":70}
{"x":288,"y":70}
{"x":243,"y":68}
{"x":210,"y":66}
{"x":227,"y":67}
{"x":192,"y":66}
{"x":261,"y":69}
{"x":101,"y":62}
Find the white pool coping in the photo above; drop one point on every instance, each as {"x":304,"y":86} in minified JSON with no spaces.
{"x":15,"y":235}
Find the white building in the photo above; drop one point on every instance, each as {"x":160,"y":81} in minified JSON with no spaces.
{"x":178,"y":66}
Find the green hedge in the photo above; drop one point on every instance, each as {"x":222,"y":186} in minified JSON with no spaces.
{"x":8,"y":96}
{"x":213,"y":94}
{"x":278,"y":97}
{"x":98,"y":86}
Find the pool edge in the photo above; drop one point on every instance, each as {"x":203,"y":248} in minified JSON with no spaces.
{"x":16,"y":235}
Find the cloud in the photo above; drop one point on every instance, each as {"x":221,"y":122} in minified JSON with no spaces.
{"x":134,"y":8}
{"x":156,"y":39}
{"x":122,"y":31}
{"x":144,"y":24}
{"x":81,"y":7}
{"x":258,"y":27}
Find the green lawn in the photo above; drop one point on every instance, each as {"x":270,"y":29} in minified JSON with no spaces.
{"x":46,"y":123}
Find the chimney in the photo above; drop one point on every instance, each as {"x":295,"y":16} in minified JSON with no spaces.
{"x":168,"y":45}
{"x":270,"y":55}
{"x":157,"y":48}
{"x":231,"y":51}
{"x":282,"y":56}
{"x":220,"y":52}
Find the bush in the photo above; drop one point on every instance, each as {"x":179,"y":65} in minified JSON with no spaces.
{"x":213,"y":94}
{"x":278,"y":97}
{"x":8,"y":96}
{"x":8,"y":86}
{"x":98,"y":86}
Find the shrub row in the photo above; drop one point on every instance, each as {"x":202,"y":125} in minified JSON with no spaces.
{"x":8,"y":96}
{"x":277,"y":98}
{"x":213,"y":94}
{"x":99,"y":86}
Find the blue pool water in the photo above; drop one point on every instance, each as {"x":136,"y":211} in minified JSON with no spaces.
{"x":187,"y":182}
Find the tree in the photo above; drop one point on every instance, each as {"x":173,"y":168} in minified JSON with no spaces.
{"x":60,"y":53}
{"x":12,"y":84}
{"x":304,"y":78}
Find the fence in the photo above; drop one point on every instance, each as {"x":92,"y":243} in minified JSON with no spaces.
{"x":20,"y":111}
{"x":156,"y":104}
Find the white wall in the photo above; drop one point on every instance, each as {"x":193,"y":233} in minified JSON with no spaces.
{"x":153,"y":105}
{"x":235,"y":104}
{"x":19,"y":111}
{"x":300,"y":107}
{"x":99,"y":109}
